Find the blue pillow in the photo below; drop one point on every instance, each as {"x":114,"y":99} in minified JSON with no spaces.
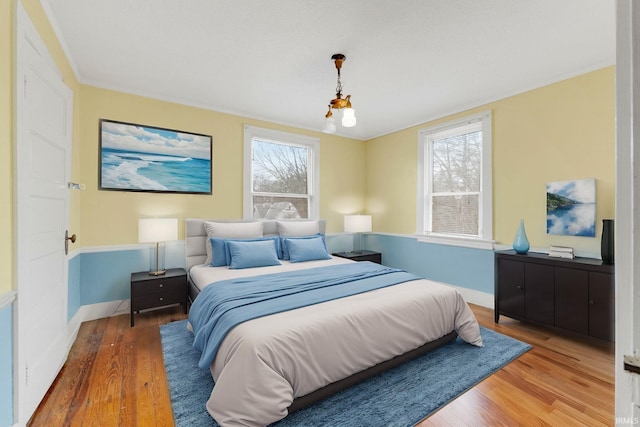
{"x":218,"y":252}
{"x":252,"y":254}
{"x":220,"y":249}
{"x":285,"y":249}
{"x":307,"y":249}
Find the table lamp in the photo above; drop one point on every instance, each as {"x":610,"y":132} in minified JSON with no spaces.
{"x":157,"y":230}
{"x":357,"y":224}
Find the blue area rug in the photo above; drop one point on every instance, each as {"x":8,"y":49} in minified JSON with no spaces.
{"x":402,"y":396}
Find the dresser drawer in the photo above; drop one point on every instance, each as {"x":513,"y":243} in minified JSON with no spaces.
{"x":164,"y":285}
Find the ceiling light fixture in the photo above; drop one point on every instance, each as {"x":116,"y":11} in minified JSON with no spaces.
{"x":348,"y":115}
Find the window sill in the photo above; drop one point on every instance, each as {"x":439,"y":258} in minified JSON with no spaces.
{"x":465,"y":242}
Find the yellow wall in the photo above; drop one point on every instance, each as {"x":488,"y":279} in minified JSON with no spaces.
{"x":558,"y":132}
{"x":111,"y":217}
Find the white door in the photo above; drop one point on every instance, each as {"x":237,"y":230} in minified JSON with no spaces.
{"x":43,"y":152}
{"x":627,"y":240}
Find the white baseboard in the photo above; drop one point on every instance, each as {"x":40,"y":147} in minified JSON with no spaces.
{"x":90,"y":312}
{"x":476,"y":297}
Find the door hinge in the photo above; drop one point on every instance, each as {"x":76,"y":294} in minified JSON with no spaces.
{"x":25,"y":86}
{"x":632,"y":364}
{"x":26,"y":375}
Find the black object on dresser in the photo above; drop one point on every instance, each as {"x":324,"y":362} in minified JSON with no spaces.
{"x":572,"y":295}
{"x":158,"y":291}
{"x":361,"y":256}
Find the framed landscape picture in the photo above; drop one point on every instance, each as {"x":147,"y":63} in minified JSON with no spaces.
{"x":571,"y":207}
{"x":145,"y":158}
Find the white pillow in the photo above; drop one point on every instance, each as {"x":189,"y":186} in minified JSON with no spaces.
{"x":298,"y":228}
{"x":230,"y":230}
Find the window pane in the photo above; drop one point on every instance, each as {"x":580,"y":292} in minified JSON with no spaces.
{"x":273,"y":207}
{"x":455,"y":214}
{"x":456,"y":163}
{"x":279,"y":168}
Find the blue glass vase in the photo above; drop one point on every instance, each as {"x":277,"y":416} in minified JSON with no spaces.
{"x":521,"y":243}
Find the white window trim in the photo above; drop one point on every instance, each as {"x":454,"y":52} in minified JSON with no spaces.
{"x":484,"y":241}
{"x":312,"y":143}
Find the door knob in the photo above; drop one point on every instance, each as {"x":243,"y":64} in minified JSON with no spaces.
{"x":66,"y":241}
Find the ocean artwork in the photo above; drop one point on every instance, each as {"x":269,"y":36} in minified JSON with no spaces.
{"x":571,"y":208}
{"x":144,"y":158}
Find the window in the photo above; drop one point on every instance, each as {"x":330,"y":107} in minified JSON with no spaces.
{"x":281,"y":175}
{"x":454,"y":183}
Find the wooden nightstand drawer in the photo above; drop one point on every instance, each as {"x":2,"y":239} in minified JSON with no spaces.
{"x":158,"y":285}
{"x":157,"y":300}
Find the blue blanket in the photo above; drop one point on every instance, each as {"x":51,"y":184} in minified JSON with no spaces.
{"x":225,"y":304}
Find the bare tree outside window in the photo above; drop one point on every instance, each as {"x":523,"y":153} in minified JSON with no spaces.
{"x":280,"y":180}
{"x":456,"y":163}
{"x":454,"y":182}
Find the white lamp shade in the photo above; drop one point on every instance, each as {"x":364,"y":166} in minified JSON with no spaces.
{"x":152,"y":230}
{"x":348,"y":118}
{"x":329,"y":125}
{"x":357,"y":223}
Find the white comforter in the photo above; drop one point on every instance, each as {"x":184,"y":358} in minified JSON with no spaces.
{"x":263,"y":364}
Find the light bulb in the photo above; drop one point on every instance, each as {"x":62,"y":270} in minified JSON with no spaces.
{"x":349,"y":118}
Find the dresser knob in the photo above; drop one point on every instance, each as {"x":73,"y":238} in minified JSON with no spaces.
{"x":161,"y":299}
{"x":161,"y":285}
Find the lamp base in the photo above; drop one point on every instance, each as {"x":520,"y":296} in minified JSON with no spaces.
{"x":357,"y":243}
{"x":156,"y":268}
{"x":157,"y":273}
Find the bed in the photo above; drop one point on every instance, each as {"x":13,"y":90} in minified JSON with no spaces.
{"x":267,"y":365}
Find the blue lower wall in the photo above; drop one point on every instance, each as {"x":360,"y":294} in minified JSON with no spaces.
{"x":6,"y":366}
{"x":73,"y":301}
{"x":104,"y":276}
{"x":464,"y":267}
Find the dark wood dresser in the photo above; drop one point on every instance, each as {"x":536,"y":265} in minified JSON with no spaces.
{"x":572,"y":295}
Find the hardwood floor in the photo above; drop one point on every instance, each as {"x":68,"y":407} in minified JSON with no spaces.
{"x":114,"y":376}
{"x":561,"y":381}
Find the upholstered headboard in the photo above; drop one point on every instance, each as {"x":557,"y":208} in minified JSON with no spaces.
{"x":196,"y":236}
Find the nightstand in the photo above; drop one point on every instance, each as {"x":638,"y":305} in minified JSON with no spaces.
{"x":158,"y":291}
{"x":361,"y":256}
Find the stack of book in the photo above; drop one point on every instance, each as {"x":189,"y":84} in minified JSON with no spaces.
{"x":561,"y":252}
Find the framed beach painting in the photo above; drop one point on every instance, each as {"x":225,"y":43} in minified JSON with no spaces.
{"x":571,"y":207}
{"x":146,"y":158}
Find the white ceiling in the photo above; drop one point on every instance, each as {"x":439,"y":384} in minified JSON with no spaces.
{"x":408,"y":61}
